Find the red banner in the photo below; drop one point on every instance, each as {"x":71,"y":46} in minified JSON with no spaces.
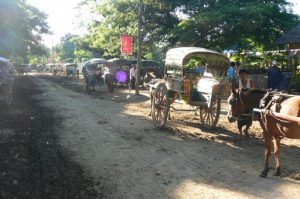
{"x":126,"y":44}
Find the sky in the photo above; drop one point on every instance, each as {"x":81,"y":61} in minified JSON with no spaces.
{"x":63,"y":17}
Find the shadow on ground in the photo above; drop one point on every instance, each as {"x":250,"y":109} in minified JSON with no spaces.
{"x":32,"y":163}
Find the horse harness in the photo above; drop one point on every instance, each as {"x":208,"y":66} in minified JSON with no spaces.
{"x":274,"y":99}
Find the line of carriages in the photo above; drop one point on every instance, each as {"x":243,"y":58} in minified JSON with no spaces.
{"x":115,"y":72}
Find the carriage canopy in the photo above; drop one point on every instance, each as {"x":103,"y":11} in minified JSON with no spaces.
{"x":4,"y":60}
{"x":117,"y":62}
{"x":69,"y":64}
{"x":96,"y":61}
{"x":179,"y":57}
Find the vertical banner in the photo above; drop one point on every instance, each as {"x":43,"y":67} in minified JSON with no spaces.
{"x":126,"y":44}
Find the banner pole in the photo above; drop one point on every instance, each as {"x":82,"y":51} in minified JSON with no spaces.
{"x":139,"y":50}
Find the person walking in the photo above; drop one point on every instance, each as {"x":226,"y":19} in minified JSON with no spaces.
{"x":275,"y":76}
{"x":245,"y":84}
{"x":132,"y":76}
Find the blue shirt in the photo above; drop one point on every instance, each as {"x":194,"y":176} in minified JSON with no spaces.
{"x":231,"y":72}
{"x":200,"y":69}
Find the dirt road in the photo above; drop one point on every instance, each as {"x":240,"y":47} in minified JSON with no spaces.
{"x":32,"y":163}
{"x":110,"y":137}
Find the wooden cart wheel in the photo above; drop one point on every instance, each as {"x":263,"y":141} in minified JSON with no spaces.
{"x":160,"y":105}
{"x":209,"y":116}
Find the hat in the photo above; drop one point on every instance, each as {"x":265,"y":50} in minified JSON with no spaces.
{"x":274,"y":62}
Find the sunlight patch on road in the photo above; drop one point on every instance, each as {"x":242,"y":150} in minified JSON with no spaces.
{"x":192,"y":190}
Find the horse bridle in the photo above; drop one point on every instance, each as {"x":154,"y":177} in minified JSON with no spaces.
{"x":239,"y":97}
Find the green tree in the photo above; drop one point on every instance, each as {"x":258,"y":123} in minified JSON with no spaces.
{"x":217,"y":24}
{"x":84,"y":48}
{"x":119,"y":17}
{"x":66,"y":49}
{"x":234,"y":24}
{"x":21,"y":28}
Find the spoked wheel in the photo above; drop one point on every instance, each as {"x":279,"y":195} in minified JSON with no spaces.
{"x":160,"y":106}
{"x":209,"y":116}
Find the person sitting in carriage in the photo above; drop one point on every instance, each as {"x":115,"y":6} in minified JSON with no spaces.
{"x":201,"y":69}
{"x":244,"y":84}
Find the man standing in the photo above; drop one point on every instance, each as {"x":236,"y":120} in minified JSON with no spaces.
{"x":275,"y":76}
{"x":231,"y":71}
{"x":245,"y":82}
{"x":246,"y":119}
{"x":132,"y":76}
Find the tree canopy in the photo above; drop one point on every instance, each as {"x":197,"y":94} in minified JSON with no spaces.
{"x":216,"y":24}
{"x":21,"y":29}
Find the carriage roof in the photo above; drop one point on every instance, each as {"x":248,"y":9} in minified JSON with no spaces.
{"x":96,"y":61}
{"x":179,"y":57}
{"x":118,"y":62}
{"x":4,"y":60}
{"x":69,"y":64}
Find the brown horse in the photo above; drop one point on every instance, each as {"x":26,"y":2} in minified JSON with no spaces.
{"x":279,"y":119}
{"x":241,"y":104}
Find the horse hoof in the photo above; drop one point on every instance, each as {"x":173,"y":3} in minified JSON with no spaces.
{"x":263,"y":174}
{"x":277,"y":173}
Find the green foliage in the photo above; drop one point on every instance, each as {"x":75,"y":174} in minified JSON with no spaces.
{"x":21,"y":28}
{"x":296,"y":80}
{"x":227,"y":24}
{"x":216,"y":24}
{"x":262,"y":60}
{"x":193,"y":63}
{"x":66,"y":50}
{"x":76,"y":49}
{"x":38,"y":60}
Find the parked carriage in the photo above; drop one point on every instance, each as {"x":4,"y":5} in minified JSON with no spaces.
{"x":120,"y":70}
{"x":6,"y":80}
{"x":120,"y":67}
{"x":96,"y":71}
{"x":179,"y":84}
{"x":70,"y":69}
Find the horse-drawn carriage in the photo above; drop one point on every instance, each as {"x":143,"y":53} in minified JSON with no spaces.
{"x":70,"y":69}
{"x":179,"y":83}
{"x":6,"y":80}
{"x":96,"y":71}
{"x":119,"y":69}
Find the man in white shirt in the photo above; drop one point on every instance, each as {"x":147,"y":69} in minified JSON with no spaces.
{"x":132,"y":76}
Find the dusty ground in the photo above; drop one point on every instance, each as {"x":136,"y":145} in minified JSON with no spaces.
{"x":32,"y":163}
{"x":110,"y":137}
